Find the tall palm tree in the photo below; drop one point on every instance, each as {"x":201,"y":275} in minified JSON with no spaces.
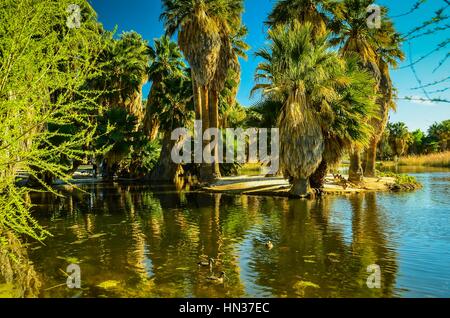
{"x":317,"y":12}
{"x":378,"y":48}
{"x":166,"y":61}
{"x":302,"y":74}
{"x":227,"y":98}
{"x":347,"y":124}
{"x":389,"y":53}
{"x":226,"y":88}
{"x":204,"y":29}
{"x":228,"y":94}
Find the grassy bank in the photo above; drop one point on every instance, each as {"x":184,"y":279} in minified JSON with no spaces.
{"x":403,"y":182}
{"x":433,"y":160}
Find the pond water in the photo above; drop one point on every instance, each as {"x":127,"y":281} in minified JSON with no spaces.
{"x":138,"y":241}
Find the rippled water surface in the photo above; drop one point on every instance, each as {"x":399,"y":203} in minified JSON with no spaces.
{"x":137,"y":241}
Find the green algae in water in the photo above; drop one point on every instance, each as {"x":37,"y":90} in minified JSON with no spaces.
{"x":70,"y":259}
{"x":301,"y":286}
{"x":109,"y":284}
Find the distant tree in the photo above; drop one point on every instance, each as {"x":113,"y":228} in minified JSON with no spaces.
{"x":440,"y":134}
{"x":384,"y":151}
{"x":417,"y":142}
{"x":117,"y":133}
{"x":399,"y":138}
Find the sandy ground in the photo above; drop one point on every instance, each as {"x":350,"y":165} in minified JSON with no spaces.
{"x":278,"y":186}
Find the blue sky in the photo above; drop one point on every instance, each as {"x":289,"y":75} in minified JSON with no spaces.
{"x":142,"y":16}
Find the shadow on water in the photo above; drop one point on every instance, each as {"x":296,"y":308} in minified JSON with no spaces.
{"x":138,"y":241}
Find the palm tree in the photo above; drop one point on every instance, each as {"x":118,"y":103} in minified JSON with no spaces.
{"x":130,"y":68}
{"x":227,"y":98}
{"x":399,"y":138}
{"x":302,"y":74}
{"x":389,"y":53}
{"x":347,"y":124}
{"x":166,"y":61}
{"x":318,"y":13}
{"x":204,"y":36}
{"x":378,"y":49}
{"x":240,"y":48}
{"x":303,"y":11}
{"x":117,"y":133}
{"x":225,"y":85}
{"x":173,"y":109}
{"x":440,"y":133}
{"x":124,"y":67}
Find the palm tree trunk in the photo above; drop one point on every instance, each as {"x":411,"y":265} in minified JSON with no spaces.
{"x":155,"y":128}
{"x":371,"y":158}
{"x":166,"y":170}
{"x":205,"y":107}
{"x":355,"y":170}
{"x":214,"y":123}
{"x":151,"y":122}
{"x":317,"y":179}
{"x":206,"y":172}
{"x":197,"y":99}
{"x":300,"y":187}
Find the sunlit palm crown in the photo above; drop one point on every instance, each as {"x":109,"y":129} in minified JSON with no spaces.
{"x":166,"y":60}
{"x":201,"y":26}
{"x":354,"y":35}
{"x":166,"y":63}
{"x":312,"y":11}
{"x":125,"y":65}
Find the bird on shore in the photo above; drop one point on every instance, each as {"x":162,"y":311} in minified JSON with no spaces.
{"x":217,"y":279}
{"x":269,"y":245}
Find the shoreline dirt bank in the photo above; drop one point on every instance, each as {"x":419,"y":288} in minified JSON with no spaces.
{"x":278,"y":186}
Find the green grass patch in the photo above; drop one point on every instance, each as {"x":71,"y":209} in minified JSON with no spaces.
{"x":400,"y":179}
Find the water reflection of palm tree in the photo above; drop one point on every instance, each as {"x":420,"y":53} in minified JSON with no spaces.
{"x":376,"y":225}
{"x":136,"y":254}
{"x":215,"y":240}
{"x":171,"y":239}
{"x":215,"y":229}
{"x":312,"y":258}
